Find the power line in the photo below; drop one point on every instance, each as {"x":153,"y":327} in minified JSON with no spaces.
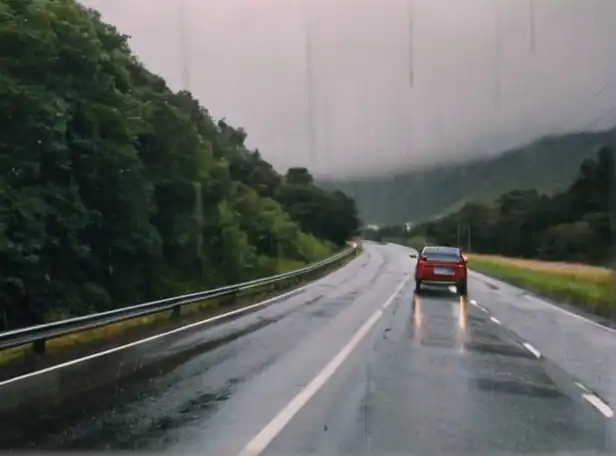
{"x":497,"y":55}
{"x":531,"y":25}
{"x":310,"y":84}
{"x":594,"y":96}
{"x":409,"y":129}
{"x":184,"y":46}
{"x":602,"y":116}
{"x":411,"y":36}
{"x":411,"y":69}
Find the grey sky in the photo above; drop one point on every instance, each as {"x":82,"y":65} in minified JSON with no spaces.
{"x":247,"y":63}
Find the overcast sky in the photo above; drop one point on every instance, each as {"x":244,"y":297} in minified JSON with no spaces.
{"x":470,"y":95}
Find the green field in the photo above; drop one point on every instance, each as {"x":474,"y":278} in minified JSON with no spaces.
{"x":590,"y":288}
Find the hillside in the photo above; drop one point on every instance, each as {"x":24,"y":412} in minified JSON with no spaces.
{"x":572,"y":225}
{"x":115,"y":190}
{"x":549,"y":165}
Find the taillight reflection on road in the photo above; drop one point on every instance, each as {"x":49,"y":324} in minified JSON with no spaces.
{"x":416,"y":319}
{"x":463,"y":313}
{"x":462,"y":323}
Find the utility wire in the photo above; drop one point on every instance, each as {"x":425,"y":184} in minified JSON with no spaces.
{"x":497,"y":55}
{"x":411,"y":53}
{"x":184,"y":46}
{"x":595,"y":95}
{"x":531,"y":25}
{"x":310,"y":92}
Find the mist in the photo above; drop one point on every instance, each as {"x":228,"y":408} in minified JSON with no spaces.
{"x":482,"y":78}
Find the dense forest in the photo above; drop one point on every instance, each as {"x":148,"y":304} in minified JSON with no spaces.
{"x":574,"y":225}
{"x":548,"y":165}
{"x":116,"y":190}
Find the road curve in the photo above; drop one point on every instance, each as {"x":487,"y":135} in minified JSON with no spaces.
{"x":356,"y":364}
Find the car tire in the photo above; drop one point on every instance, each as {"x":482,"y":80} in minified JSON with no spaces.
{"x":462,"y":288}
{"x":417,"y":286}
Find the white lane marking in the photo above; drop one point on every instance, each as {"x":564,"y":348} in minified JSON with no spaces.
{"x":582,"y":387}
{"x":532,"y":349}
{"x":554,"y":306}
{"x":260,"y":442}
{"x":597,"y":403}
{"x":395,"y":293}
{"x":571,"y":314}
{"x":495,"y":320}
{"x":476,"y":304}
{"x":149,"y":339}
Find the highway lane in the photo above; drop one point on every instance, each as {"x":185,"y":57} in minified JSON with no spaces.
{"x":236,"y":375}
{"x":431,"y":374}
{"x":439,"y":376}
{"x":577,"y":343}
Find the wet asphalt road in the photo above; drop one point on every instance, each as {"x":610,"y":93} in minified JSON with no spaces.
{"x":436,"y":374}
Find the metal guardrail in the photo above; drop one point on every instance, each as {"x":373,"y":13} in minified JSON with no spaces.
{"x":39,"y":334}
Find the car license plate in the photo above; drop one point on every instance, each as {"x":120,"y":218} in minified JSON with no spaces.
{"x":443,"y":271}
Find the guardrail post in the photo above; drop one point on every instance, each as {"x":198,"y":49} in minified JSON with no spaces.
{"x":38,"y":347}
{"x":237,"y":293}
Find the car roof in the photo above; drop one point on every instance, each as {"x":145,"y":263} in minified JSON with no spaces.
{"x":440,"y":249}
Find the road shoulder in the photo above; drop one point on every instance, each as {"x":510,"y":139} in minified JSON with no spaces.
{"x":580,"y":345}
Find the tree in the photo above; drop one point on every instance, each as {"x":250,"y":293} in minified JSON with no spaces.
{"x":114,"y":189}
{"x":299,"y":176}
{"x":572,"y":225}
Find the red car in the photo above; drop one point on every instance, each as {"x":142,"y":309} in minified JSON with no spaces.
{"x":441,"y":266}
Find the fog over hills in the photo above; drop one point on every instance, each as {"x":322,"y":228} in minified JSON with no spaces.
{"x":484,"y":79}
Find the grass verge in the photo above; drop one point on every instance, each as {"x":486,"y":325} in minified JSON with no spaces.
{"x":587,"y":287}
{"x":19,"y":360}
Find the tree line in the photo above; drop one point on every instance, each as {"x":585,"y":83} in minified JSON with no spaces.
{"x":573,"y":225}
{"x":114,"y":189}
{"x":549,"y":164}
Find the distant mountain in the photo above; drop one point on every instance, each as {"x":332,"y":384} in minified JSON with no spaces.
{"x":549,"y":164}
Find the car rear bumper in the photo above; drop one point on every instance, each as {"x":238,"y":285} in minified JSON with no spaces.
{"x":441,"y":282}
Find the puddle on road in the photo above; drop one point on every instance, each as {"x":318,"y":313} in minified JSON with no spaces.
{"x":499,"y":349}
{"x":440,"y":342}
{"x":515,"y":387}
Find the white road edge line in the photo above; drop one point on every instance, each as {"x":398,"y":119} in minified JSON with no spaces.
{"x":260,"y":441}
{"x":151,"y":338}
{"x":532,"y":349}
{"x":473,"y":302}
{"x":554,"y":306}
{"x":572,"y":314}
{"x":495,"y":320}
{"x":582,"y":387}
{"x":597,"y":403}
{"x":483,"y":309}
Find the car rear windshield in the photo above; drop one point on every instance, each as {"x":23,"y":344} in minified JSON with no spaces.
{"x":441,"y":255}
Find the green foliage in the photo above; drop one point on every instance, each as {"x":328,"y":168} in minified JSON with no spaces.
{"x":549,"y":165}
{"x":115,"y":190}
{"x":416,"y":242}
{"x":570,"y":226}
{"x":594,"y":295}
